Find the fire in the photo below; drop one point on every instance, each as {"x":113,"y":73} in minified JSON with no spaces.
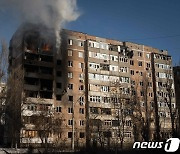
{"x":46,"y":47}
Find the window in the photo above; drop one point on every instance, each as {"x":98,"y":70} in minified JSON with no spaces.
{"x":140,"y":54}
{"x":81,"y":65}
{"x":150,"y":94}
{"x":141,"y":73}
{"x":70,"y":98}
{"x":81,"y":101}
{"x":70,"y":122}
{"x":70,"y":42}
{"x":80,"y":54}
{"x":69,"y":134}
{"x":81,"y":122}
{"x":141,"y":83}
{"x":94,"y":110}
{"x":81,"y":135}
{"x":70,"y":75}
{"x":142,"y":93}
{"x":80,"y":43}
{"x":70,"y":53}
{"x":70,"y":110}
{"x":81,"y":110}
{"x":148,"y":55}
{"x":81,"y":76}
{"x":70,"y":86}
{"x":140,"y":63}
{"x":58,"y":73}
{"x":106,"y":111}
{"x":58,"y":109}
{"x":131,"y":62}
{"x":81,"y":87}
{"x":132,"y":72}
{"x":70,"y":64}
{"x":148,"y":65}
{"x":150,"y":84}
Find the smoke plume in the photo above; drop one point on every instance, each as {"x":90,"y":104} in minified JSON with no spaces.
{"x":50,"y":13}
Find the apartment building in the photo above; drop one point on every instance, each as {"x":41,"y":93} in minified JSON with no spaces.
{"x":86,"y":87}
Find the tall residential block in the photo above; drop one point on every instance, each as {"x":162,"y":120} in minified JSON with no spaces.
{"x":93,"y":88}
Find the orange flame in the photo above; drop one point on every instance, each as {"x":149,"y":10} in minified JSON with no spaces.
{"x":46,"y":47}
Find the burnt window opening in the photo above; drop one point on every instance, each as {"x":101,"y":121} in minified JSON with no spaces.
{"x":58,"y":73}
{"x":58,"y":62}
{"x":47,"y":95}
{"x":30,"y":68}
{"x":46,"y":70}
{"x":31,"y":81}
{"x":58,"y":97}
{"x":31,"y":56}
{"x":58,"y":85}
{"x":33,"y":94}
{"x":46,"y":58}
{"x":34,"y":42}
{"x":46,"y":85}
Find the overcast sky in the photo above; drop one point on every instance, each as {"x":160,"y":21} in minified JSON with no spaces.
{"x":151,"y":22}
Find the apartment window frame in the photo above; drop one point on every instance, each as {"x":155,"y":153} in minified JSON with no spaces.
{"x":70,"y":75}
{"x":81,"y":110}
{"x":80,"y":54}
{"x":70,"y":110}
{"x":131,"y":62}
{"x":70,"y":53}
{"x":140,"y":63}
{"x":70,"y":86}
{"x":70,"y":42}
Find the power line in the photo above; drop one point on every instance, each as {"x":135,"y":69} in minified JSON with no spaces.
{"x":158,"y":37}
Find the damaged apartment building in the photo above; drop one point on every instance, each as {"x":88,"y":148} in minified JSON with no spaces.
{"x":88,"y":87}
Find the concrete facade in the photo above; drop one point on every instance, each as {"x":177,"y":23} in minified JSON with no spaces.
{"x":87,"y":85}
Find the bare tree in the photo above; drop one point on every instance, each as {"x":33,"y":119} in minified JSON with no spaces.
{"x":13,"y":106}
{"x":3,"y":86}
{"x":141,"y":117}
{"x":47,"y":127}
